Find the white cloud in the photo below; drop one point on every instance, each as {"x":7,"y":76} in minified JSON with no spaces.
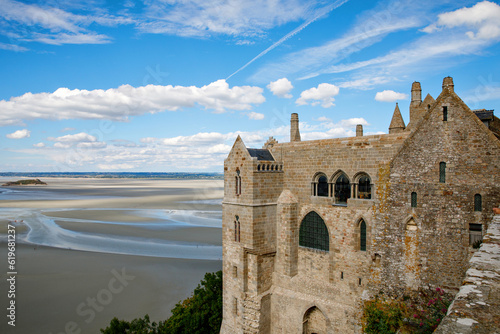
{"x":76,"y":138}
{"x":370,"y":28}
{"x":19,"y":134}
{"x":484,"y":17}
{"x":203,"y":150}
{"x":124,"y":101}
{"x":198,"y":18}
{"x":390,"y":96}
{"x":255,"y":116}
{"x":116,"y":166}
{"x":80,"y":140}
{"x":281,"y":87}
{"x":52,"y":25}
{"x":39,"y":145}
{"x":12,"y":47}
{"x":323,"y":94}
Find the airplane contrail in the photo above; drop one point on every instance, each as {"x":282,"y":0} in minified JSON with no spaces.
{"x":322,"y":12}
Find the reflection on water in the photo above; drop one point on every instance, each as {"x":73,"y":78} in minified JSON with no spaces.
{"x":43,"y":230}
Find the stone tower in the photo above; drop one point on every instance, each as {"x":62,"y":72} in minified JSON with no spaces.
{"x":294,"y":128}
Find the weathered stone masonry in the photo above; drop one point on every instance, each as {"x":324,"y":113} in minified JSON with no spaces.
{"x":310,"y":228}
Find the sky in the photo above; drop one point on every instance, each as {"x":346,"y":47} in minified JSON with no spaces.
{"x":167,"y":85}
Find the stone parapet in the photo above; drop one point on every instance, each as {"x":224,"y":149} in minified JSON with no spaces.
{"x":476,"y":308}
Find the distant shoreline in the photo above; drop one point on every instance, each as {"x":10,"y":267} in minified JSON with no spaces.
{"x":119,"y":175}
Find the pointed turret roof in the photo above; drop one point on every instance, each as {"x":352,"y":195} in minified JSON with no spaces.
{"x":397,"y":122}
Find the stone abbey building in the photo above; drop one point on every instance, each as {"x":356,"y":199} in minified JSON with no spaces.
{"x":311,"y":228}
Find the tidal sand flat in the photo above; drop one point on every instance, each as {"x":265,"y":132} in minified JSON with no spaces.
{"x":80,"y":241}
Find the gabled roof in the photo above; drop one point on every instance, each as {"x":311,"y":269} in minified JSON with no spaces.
{"x":260,"y":154}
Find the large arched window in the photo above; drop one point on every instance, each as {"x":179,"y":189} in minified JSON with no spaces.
{"x":362,"y":235}
{"x":313,"y":232}
{"x":364,"y":187}
{"x":342,"y":189}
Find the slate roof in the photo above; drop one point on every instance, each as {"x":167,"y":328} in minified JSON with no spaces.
{"x":260,"y":154}
{"x":483,"y":114}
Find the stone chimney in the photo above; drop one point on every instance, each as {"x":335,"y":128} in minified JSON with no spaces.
{"x":294,"y":128}
{"x":359,"y":130}
{"x":416,"y":101}
{"x":448,"y":84}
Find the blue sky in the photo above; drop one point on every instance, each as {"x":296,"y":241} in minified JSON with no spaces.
{"x":168,"y":85}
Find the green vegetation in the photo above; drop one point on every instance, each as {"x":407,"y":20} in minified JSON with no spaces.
{"x":420,"y":312}
{"x":29,"y":182}
{"x":477,"y":244}
{"x":199,"y":314}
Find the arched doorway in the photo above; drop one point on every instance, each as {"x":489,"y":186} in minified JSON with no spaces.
{"x":314,"y":322}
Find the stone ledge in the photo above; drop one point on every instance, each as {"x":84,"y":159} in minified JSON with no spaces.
{"x":476,"y":308}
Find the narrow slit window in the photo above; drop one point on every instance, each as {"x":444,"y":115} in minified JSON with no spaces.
{"x":445,"y":113}
{"x":413,"y":199}
{"x":362,"y":235}
{"x":478,"y":203}
{"x":442,"y":172}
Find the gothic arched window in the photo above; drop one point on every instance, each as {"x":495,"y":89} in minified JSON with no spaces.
{"x":323,"y":186}
{"x":364,"y":187}
{"x":342,"y":189}
{"x":313,"y":232}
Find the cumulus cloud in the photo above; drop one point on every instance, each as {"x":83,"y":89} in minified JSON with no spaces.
{"x":323,"y":94}
{"x":80,"y":140}
{"x":124,"y":101}
{"x":39,"y":145}
{"x":281,"y":87}
{"x":483,"y":17}
{"x":390,"y":96}
{"x":255,"y":116}
{"x":19,"y":134}
{"x":199,"y":151}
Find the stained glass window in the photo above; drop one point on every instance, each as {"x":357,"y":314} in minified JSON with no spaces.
{"x":313,"y":232}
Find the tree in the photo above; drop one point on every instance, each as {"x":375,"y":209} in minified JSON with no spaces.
{"x":199,"y":314}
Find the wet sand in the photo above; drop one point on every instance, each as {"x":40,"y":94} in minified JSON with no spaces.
{"x":54,"y":287}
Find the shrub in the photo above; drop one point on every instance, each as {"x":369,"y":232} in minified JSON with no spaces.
{"x":199,"y":314}
{"x":417,"y":312}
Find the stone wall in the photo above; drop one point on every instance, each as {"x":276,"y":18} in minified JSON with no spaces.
{"x":476,"y":308}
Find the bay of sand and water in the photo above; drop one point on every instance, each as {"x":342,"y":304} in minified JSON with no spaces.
{"x":88,"y":250}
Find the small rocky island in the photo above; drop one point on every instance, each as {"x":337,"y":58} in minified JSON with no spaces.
{"x":29,"y":182}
